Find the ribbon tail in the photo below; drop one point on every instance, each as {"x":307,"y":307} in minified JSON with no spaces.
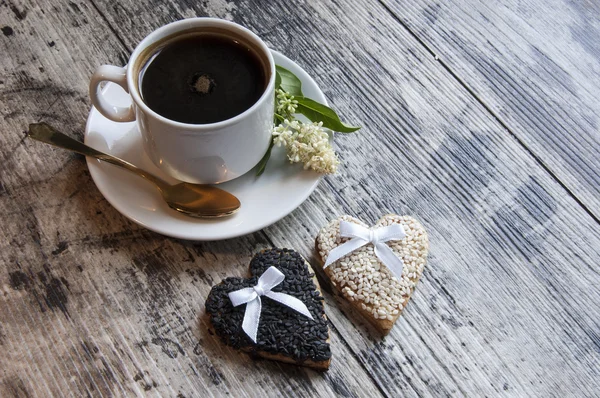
{"x":290,"y":301}
{"x":252,"y":318}
{"x":344,"y":249}
{"x":389,"y":259}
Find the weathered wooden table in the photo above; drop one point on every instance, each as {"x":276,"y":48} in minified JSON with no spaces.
{"x":480,"y":119}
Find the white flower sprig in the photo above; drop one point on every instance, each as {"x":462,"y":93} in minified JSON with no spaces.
{"x":307,"y":143}
{"x":286,"y":104}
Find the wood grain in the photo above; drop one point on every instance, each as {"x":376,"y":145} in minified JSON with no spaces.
{"x":92,"y":304}
{"x":536,"y":66}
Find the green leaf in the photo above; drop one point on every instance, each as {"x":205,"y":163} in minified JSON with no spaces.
{"x":289,"y":82}
{"x":317,"y":112}
{"x":277,"y":80}
{"x":265,"y":159}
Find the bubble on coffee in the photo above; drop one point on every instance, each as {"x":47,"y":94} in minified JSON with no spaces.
{"x":202,"y":83}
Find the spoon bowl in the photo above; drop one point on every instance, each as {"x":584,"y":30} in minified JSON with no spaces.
{"x":198,"y":200}
{"x":195,"y":200}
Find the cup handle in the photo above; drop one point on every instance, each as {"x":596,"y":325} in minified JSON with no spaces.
{"x":115,"y":74}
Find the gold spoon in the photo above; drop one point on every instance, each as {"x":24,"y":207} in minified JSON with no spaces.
{"x":196,"y":200}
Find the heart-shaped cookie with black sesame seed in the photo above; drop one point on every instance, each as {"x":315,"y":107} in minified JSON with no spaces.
{"x":377,"y":291}
{"x":287,"y":311}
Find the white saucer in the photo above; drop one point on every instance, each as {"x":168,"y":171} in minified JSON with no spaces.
{"x":265,"y":199}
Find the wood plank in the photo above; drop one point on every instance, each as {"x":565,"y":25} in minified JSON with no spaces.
{"x":90,"y":303}
{"x":437,"y":155}
{"x":504,"y":304}
{"x":536,"y":65}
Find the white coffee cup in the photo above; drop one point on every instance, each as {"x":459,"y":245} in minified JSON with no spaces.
{"x":199,"y":153}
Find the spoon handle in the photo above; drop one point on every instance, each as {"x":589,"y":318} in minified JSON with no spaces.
{"x":45,"y":133}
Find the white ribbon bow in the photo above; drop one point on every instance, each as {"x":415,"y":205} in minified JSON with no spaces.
{"x":251,"y":297}
{"x":361,"y":236}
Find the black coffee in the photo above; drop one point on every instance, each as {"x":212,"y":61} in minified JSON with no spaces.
{"x":203,"y":78}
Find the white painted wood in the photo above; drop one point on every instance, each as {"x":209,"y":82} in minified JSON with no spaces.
{"x":536,"y":65}
{"x":91,"y":304}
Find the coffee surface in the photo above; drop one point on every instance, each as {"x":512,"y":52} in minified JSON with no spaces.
{"x":205,"y":78}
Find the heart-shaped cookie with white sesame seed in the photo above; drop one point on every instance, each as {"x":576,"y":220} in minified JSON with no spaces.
{"x":376,"y":269}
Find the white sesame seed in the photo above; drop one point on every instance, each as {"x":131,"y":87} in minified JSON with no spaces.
{"x":364,"y":278}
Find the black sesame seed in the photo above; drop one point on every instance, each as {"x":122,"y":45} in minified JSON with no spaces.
{"x":281,"y":329}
